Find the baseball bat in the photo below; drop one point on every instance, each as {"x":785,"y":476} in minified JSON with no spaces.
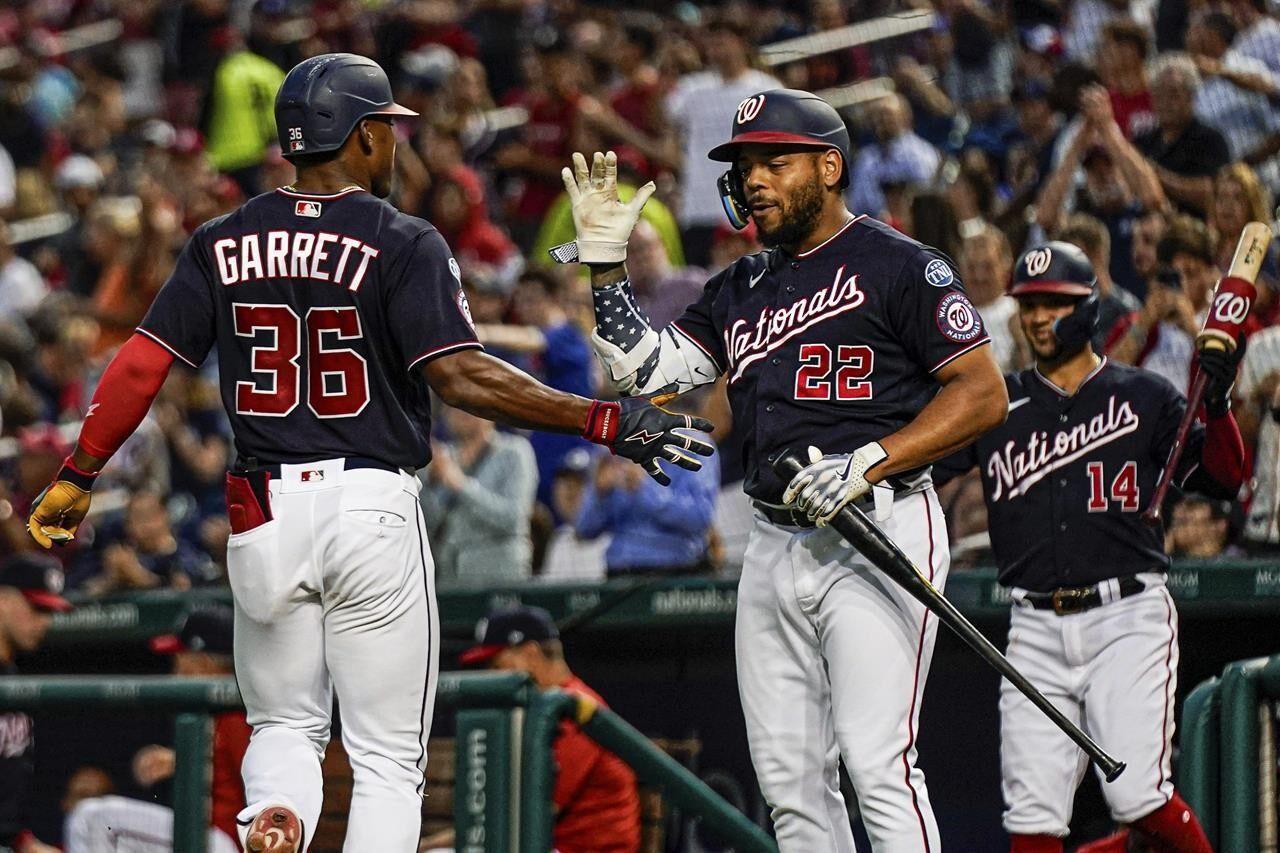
{"x":862,"y":533}
{"x":1219,"y":332}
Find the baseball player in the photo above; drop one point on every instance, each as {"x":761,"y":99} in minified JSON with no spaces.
{"x":1066,"y":479}
{"x":332,"y":313}
{"x":857,"y":343}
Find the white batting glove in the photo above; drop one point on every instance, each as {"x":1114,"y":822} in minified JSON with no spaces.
{"x":830,"y":482}
{"x":602,"y":222}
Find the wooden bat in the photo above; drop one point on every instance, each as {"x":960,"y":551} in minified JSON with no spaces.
{"x":862,"y":533}
{"x":1228,"y":308}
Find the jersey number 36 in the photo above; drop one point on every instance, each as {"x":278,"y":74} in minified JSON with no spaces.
{"x":337,"y":383}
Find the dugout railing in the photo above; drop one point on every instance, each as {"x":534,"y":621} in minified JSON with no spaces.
{"x":504,"y":769}
{"x":1228,"y":768}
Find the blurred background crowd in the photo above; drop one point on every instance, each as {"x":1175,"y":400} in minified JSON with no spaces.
{"x":1145,"y":131}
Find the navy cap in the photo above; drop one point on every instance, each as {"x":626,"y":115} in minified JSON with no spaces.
{"x":509,"y":627}
{"x":38,"y":577}
{"x":785,"y":117}
{"x":207,"y":629}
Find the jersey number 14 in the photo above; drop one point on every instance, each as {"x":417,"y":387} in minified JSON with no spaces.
{"x":1124,"y":488}
{"x":337,"y":382}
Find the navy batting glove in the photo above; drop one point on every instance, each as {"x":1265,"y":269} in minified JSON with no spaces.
{"x":635,"y":429}
{"x":1219,"y":368}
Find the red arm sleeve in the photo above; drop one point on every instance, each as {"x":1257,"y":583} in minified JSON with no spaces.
{"x":1222,"y":456}
{"x":128,"y":386}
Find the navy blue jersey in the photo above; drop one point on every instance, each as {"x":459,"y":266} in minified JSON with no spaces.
{"x":1067,"y":478}
{"x":321,"y":307}
{"x":834,"y":347}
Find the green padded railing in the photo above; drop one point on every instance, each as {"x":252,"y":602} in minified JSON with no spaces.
{"x":193,"y":698}
{"x":1220,"y":766}
{"x":504,"y":768}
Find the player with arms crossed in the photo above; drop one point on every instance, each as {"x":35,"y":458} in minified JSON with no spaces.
{"x":332,"y":312}
{"x":1066,"y":479}
{"x":846,"y":336}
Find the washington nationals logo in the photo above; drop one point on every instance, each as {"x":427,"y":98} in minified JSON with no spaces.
{"x":1230,"y":308}
{"x":750,"y":108}
{"x":1038,"y":261}
{"x":957,"y":318}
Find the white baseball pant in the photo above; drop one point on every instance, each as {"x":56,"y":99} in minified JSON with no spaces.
{"x":336,"y":593}
{"x":832,"y":658}
{"x":1112,"y":670}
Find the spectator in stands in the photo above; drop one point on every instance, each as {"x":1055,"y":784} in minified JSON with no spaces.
{"x":559,"y":353}
{"x":78,"y":180}
{"x":202,"y":648}
{"x":1118,"y":181}
{"x":1200,"y":530}
{"x":241,"y":109}
{"x":596,"y":800}
{"x":478,"y":496}
{"x":1186,"y":152}
{"x":21,"y":286}
{"x":145,"y":553}
{"x":1257,"y":409}
{"x":1239,"y":198}
{"x":1259,"y":36}
{"x":1122,"y":61}
{"x":1160,"y":335}
{"x":30,"y":591}
{"x":1082,"y":33}
{"x":978,"y":75}
{"x":1029,"y":160}
{"x":662,"y":290}
{"x":985,"y":265}
{"x":897,"y":155}
{"x":549,"y":137}
{"x":189,"y":414}
{"x":728,"y":245}
{"x":1147,"y":231}
{"x":567,"y":556}
{"x":1117,"y":304}
{"x":701,"y":108}
{"x":653,"y":529}
{"x":1239,"y":95}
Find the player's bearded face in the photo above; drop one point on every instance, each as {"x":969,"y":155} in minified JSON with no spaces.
{"x":1036,"y":314}
{"x":787,"y":211}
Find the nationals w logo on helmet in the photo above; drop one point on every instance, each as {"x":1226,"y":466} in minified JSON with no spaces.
{"x":1038,"y":261}
{"x":750,"y":108}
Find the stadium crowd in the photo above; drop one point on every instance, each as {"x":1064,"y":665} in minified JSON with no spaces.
{"x":1145,"y":131}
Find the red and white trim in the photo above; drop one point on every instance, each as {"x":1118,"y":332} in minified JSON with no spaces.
{"x":957,"y":354}
{"x":320,"y":196}
{"x":915,"y":690}
{"x":1164,"y":772}
{"x":444,"y":350}
{"x":843,"y":228}
{"x":1060,"y":392}
{"x":162,"y":342}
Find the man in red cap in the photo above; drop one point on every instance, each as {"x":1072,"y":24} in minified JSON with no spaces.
{"x":596,"y":801}
{"x":30,"y":592}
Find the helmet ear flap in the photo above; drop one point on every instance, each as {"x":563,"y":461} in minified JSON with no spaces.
{"x":733,"y":195}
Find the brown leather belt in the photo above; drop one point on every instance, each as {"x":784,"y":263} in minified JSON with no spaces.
{"x":1078,"y":599}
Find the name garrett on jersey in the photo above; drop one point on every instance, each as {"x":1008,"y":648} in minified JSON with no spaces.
{"x":280,"y":254}
{"x":1014,"y":470}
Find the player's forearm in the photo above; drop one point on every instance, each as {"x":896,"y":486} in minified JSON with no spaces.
{"x":124,"y":395}
{"x":1223,"y":456}
{"x":1138,"y":173}
{"x":490,"y":388}
{"x":972,"y":401}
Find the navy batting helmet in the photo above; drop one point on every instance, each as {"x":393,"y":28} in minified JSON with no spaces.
{"x":1061,"y":268}
{"x":323,"y":98}
{"x":778,"y":117}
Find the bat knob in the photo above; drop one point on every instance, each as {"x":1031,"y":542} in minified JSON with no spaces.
{"x":788,"y":464}
{"x":1112,"y":769}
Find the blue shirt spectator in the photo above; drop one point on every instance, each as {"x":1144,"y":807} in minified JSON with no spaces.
{"x":653,"y":528}
{"x":898,"y":156}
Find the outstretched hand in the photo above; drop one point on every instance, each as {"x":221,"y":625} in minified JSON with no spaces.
{"x":635,"y":429}
{"x":602,"y":221}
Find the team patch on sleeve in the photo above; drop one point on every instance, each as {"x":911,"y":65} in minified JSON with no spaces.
{"x":938,"y":273}
{"x":957,"y":318}
{"x":463,"y":305}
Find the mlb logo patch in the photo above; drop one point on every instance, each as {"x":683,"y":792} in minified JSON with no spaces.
{"x":296,"y":146}
{"x":312,"y":476}
{"x":309,"y":209}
